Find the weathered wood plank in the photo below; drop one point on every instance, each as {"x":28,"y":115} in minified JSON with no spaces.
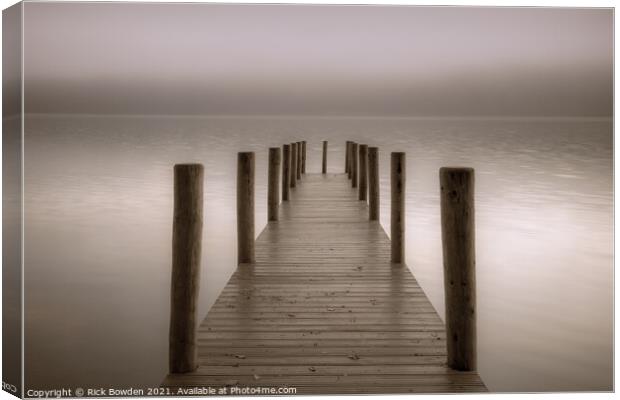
{"x":207,"y":351}
{"x":324,"y":310}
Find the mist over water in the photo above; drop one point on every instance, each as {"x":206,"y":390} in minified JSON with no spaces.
{"x":144,"y":58}
{"x":98,"y":227}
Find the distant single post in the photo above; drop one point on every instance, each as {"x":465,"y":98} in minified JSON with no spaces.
{"x":299,"y":160}
{"x":186,"y":256}
{"x":459,"y":262}
{"x":273,"y":184}
{"x":363,"y":162}
{"x":303,"y":157}
{"x":286,"y":171}
{"x":346,"y":159}
{"x":397,"y":221}
{"x":373,"y":183}
{"x":293,"y":165}
{"x":324,"y":165}
{"x":354,"y":150}
{"x":349,"y":163}
{"x":245,"y":208}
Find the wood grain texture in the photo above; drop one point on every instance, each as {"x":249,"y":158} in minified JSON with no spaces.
{"x":293,"y":177}
{"x":457,"y":233}
{"x":324,"y":159}
{"x":363,"y":172}
{"x":303,"y":157}
{"x":286,"y":171}
{"x":398,"y":181}
{"x":186,"y":256}
{"x":273,"y":184}
{"x":324,"y":310}
{"x":300,"y":152}
{"x":354,"y":164}
{"x":245,"y":207}
{"x":347,"y":151}
{"x":373,"y":184}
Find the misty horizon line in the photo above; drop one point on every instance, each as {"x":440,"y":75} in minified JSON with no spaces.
{"x":323,"y":116}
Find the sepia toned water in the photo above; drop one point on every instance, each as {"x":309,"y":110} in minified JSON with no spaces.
{"x":98,"y":227}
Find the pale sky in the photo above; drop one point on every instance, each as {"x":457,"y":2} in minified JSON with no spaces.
{"x":317,"y":60}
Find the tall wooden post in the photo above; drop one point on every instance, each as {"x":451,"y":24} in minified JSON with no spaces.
{"x":273,"y":184}
{"x":346,"y":158}
{"x":373,"y":183}
{"x":293,"y":165}
{"x":299,"y":160}
{"x":459,"y":265}
{"x":186,"y":256}
{"x":324,"y":164}
{"x":354,"y":170}
{"x":286,"y":171}
{"x":245,"y":208}
{"x":397,"y":221}
{"x":303,"y":157}
{"x":363,"y":162}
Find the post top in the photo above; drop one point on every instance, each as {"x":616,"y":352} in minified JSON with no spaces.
{"x":457,"y":170}
{"x":189,"y":166}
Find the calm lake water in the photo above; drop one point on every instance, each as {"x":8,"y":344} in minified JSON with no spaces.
{"x":98,"y":201}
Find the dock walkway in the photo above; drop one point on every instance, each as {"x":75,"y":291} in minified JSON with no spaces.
{"x":323,"y":310}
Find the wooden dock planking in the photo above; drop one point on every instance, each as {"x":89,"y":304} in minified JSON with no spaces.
{"x":323,"y":309}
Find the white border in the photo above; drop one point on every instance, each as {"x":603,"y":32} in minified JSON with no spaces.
{"x":478,"y":3}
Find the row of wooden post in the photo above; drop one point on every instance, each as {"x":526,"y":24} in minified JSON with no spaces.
{"x":362,"y":167}
{"x":458,"y":238}
{"x":293,"y":166}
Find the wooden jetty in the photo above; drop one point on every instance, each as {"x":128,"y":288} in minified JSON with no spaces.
{"x":323,"y":309}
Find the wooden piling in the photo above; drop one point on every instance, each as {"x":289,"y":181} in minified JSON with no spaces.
{"x":293,"y":177}
{"x":299,"y":160}
{"x":363,"y":172}
{"x":373,"y":183}
{"x":273,"y":184}
{"x":324,"y":164}
{"x":397,"y":221}
{"x":459,"y":262}
{"x":354,"y":170}
{"x":245,"y":208}
{"x":349,"y":160}
{"x":186,"y":257}
{"x":346,"y":158}
{"x":303,"y":157}
{"x":286,"y":171}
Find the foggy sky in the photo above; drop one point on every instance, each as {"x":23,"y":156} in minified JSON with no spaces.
{"x":317,"y":60}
